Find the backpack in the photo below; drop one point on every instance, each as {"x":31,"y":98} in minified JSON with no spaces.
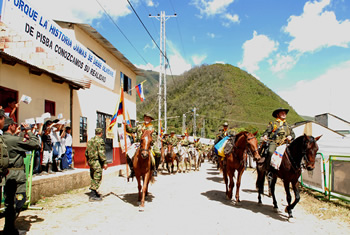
{"x":4,"y":158}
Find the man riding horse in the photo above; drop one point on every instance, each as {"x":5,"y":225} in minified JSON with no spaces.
{"x":138,"y":130}
{"x":277,"y":132}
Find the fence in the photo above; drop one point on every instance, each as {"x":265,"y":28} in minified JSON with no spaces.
{"x":331,"y":176}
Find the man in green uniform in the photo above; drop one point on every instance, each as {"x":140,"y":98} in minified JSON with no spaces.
{"x":172,"y":139}
{"x":222,"y":133}
{"x":4,"y":157}
{"x":138,"y":130}
{"x":96,"y":157}
{"x":278,"y":132}
{"x":184,"y":142}
{"x":15,"y":186}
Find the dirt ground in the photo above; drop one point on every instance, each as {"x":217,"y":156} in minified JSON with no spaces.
{"x":184,"y":203}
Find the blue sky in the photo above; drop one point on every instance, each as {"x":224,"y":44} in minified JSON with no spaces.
{"x":299,"y":49}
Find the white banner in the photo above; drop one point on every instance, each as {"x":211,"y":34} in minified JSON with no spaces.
{"x":23,"y":17}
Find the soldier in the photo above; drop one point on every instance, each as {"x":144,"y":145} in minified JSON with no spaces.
{"x":146,"y":125}
{"x":4,"y":158}
{"x":223,"y":133}
{"x":277,"y":132}
{"x":96,"y":157}
{"x":172,"y":139}
{"x":15,"y":186}
{"x":184,"y":142}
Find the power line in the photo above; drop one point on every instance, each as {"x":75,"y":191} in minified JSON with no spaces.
{"x":121,"y":31}
{"x":178,"y":28}
{"x":152,"y":39}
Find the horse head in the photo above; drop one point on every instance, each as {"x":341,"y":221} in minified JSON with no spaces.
{"x":146,"y":140}
{"x":252,"y":144}
{"x":310,"y":149}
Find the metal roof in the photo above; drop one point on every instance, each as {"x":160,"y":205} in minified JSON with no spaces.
{"x":9,"y":59}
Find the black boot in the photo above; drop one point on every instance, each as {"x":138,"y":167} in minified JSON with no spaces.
{"x":94,"y":196}
{"x":131,"y":166}
{"x":43,"y":170}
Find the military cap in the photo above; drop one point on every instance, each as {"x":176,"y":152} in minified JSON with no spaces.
{"x":2,"y":113}
{"x":172,"y":132}
{"x":148,"y":115}
{"x":183,"y":135}
{"x":98,"y":131}
{"x":9,"y":121}
{"x":225,"y":124}
{"x":275,"y":113}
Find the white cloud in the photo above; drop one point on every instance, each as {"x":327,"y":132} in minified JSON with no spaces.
{"x":198,"y":59}
{"x":81,"y":11}
{"x":232,"y":18}
{"x":219,"y":62}
{"x":317,"y":28}
{"x":256,"y":50}
{"x":325,"y":94}
{"x":211,"y":35}
{"x":283,"y":63}
{"x":148,"y":67}
{"x":213,"y":7}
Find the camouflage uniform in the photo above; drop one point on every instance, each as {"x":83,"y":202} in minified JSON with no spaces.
{"x":277,"y":131}
{"x":172,"y":140}
{"x":15,"y":186}
{"x":96,"y":157}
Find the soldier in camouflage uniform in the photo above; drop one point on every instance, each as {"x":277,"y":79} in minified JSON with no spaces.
{"x":4,"y":158}
{"x":96,"y":157}
{"x":172,"y":139}
{"x":146,"y":125}
{"x":184,"y":141}
{"x":277,"y":132}
{"x":15,"y":186}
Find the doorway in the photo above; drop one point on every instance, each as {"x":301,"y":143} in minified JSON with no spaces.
{"x":5,"y":94}
{"x":101,"y":123}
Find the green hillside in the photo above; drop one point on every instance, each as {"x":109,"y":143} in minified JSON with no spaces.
{"x":220,"y":93}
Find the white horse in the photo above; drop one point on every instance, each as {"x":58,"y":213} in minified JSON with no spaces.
{"x":195,"y":157}
{"x":184,"y":158}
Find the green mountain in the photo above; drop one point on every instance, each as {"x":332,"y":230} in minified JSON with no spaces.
{"x":219,"y":93}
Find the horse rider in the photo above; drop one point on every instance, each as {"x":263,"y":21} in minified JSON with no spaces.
{"x":138,"y":130}
{"x":172,"y":139}
{"x":277,"y":132}
{"x":184,"y":141}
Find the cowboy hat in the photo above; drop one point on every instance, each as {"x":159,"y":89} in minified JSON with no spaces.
{"x":275,"y":113}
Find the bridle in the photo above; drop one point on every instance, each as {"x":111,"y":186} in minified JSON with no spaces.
{"x":252,"y":151}
{"x":144,"y":150}
{"x":304,"y":157}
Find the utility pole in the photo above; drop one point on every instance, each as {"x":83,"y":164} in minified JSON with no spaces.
{"x":194,"y":122}
{"x":162,"y":71}
{"x":183,"y":123}
{"x":203,"y":129}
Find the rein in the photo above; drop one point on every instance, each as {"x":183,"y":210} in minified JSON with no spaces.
{"x":292,"y":162}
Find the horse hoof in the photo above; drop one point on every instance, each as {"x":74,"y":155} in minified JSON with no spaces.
{"x":141,"y":209}
{"x":275,"y":209}
{"x":291,"y":220}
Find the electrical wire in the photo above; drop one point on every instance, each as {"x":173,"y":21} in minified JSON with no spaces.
{"x":120,"y":30}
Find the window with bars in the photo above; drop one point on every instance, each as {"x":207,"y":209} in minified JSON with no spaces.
{"x":83,"y":130}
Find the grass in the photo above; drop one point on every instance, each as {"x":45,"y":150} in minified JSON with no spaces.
{"x":315,"y":203}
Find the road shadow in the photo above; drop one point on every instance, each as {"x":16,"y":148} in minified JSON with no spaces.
{"x":213,"y":173}
{"x":130,"y":198}
{"x":216,"y":179}
{"x":220,"y":196}
{"x":24,"y":223}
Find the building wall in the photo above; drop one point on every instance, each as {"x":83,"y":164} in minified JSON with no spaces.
{"x":99,"y":98}
{"x":39,"y":88}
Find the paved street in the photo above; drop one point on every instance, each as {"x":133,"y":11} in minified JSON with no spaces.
{"x":185,"y":203}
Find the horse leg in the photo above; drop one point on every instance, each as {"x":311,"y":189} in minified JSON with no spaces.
{"x":144,"y":188}
{"x":272,"y":187}
{"x":224,"y":174}
{"x":289,"y":208}
{"x":260,"y":181}
{"x":231,"y":185}
{"x":139,"y":187}
{"x":238,"y":183}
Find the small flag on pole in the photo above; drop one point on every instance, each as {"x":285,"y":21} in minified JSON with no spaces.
{"x":128,"y":121}
{"x":139,"y":89}
{"x":118,"y":110}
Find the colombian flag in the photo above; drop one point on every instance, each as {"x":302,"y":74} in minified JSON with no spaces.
{"x":118,"y":111}
{"x":128,"y":121}
{"x":139,"y":89}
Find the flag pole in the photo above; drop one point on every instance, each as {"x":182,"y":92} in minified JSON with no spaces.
{"x":135,"y":86}
{"x":125,"y":141}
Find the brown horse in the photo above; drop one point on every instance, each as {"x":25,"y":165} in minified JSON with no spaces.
{"x":142,"y":166}
{"x":170,"y":157}
{"x":302,"y":148}
{"x":236,"y":160}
